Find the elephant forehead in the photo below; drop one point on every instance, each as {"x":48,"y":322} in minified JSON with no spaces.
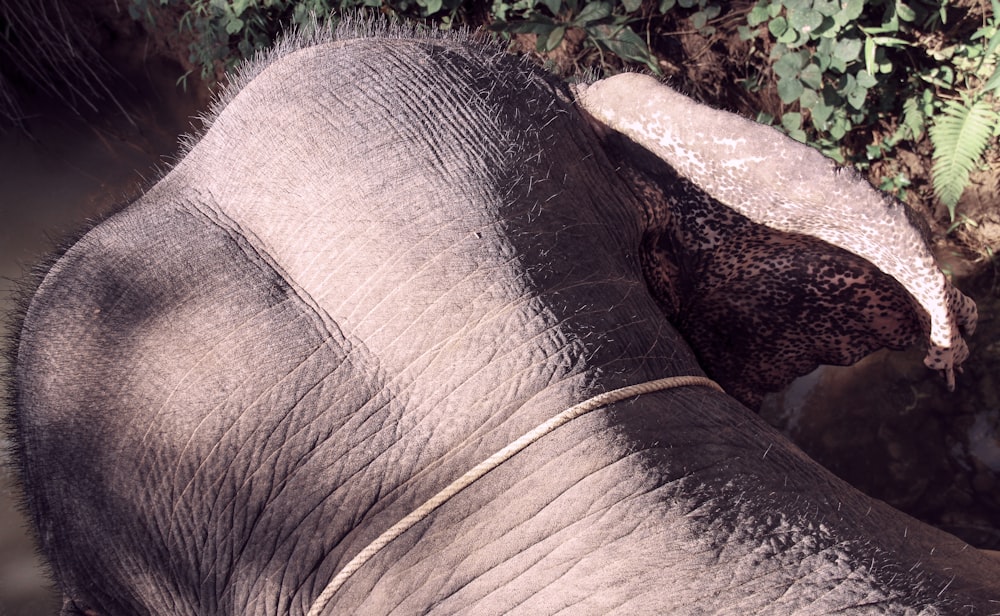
{"x":400,"y":183}
{"x":360,"y":147}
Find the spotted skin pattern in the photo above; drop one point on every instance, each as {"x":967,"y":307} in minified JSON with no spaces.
{"x":789,"y":224}
{"x":760,"y":306}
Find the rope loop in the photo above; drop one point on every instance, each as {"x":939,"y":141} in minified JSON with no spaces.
{"x":490,"y":463}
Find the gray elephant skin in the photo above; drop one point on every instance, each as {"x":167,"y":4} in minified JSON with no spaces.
{"x":391,"y":255}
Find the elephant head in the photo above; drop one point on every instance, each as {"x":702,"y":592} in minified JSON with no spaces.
{"x":748,"y":249}
{"x":391,"y":255}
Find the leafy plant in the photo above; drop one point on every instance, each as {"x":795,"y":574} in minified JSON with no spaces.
{"x":827,"y":60}
{"x":964,"y":126}
{"x":960,"y":134}
{"x":225,"y":32}
{"x":701,"y":18}
{"x":860,"y":67}
{"x":606,"y":25}
{"x":856,"y":78}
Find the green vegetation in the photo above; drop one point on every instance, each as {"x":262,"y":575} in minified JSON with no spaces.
{"x":847,"y":70}
{"x":607,"y":25}
{"x":856,"y":78}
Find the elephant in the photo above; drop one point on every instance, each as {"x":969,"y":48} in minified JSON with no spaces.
{"x":388,"y":256}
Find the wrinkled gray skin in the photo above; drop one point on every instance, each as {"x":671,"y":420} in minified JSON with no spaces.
{"x":386,"y":259}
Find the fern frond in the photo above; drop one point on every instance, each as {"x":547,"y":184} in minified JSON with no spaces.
{"x":960,"y":134}
{"x":913,"y":120}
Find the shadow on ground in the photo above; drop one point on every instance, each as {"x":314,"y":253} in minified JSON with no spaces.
{"x":888,"y":426}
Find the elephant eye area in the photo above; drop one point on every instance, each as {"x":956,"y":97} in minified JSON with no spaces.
{"x":73,"y":607}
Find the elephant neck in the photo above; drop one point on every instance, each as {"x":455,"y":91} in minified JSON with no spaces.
{"x":428,"y":507}
{"x":579,"y":449}
{"x":495,"y":379}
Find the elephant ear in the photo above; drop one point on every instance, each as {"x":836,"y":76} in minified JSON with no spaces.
{"x":777,"y":260}
{"x":761,"y":307}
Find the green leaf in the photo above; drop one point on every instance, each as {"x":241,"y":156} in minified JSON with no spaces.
{"x":804,"y":21}
{"x":865,"y":79}
{"x":852,"y":9}
{"x":857,"y":98}
{"x":631,"y":6}
{"x":891,"y":41}
{"x":666,"y":5}
{"x":846,"y":84}
{"x":788,"y":65}
{"x":624,"y":43}
{"x":870,"y":48}
{"x":959,"y":134}
{"x":553,"y":39}
{"x":827,"y":8}
{"x":699,"y":20}
{"x":592,"y":11}
{"x":777,"y":26}
{"x":993,"y":82}
{"x":808,"y":99}
{"x":791,"y":121}
{"x":799,"y":135}
{"x":790,"y":90}
{"x":847,"y":49}
{"x":884,"y":65}
{"x":764,"y":118}
{"x":238,"y":6}
{"x":905,"y":13}
{"x":792,"y":38}
{"x":554,"y":6}
{"x":994,"y":41}
{"x":840,"y":127}
{"x":913,"y":118}
{"x":757,"y":15}
{"x":542,"y":26}
{"x":821,"y":113}
{"x":234,"y":25}
{"x":812,"y":76}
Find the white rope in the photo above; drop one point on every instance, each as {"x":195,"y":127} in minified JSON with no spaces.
{"x":604,"y":399}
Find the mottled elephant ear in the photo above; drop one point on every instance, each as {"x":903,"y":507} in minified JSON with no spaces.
{"x":766,"y":255}
{"x":759,"y":306}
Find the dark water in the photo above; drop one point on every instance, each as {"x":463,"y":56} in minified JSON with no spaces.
{"x":63,"y":170}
